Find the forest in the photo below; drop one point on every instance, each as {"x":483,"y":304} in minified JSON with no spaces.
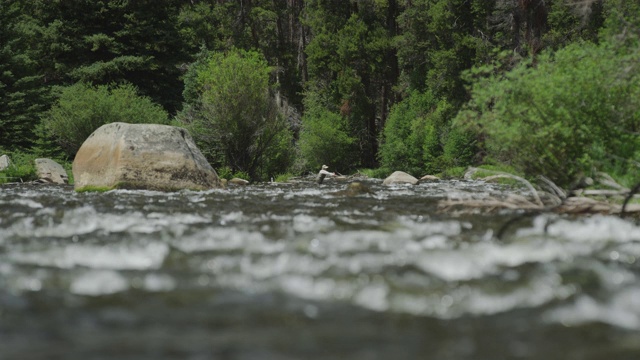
{"x":273,"y":88}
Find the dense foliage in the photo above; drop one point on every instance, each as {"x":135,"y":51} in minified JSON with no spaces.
{"x":544,"y":85}
{"x":536,"y":119}
{"x":82,"y":108}
{"x":234,"y":117}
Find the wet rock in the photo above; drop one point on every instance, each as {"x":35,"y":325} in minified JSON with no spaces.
{"x":50,"y":171}
{"x":142,"y":156}
{"x":4,"y":162}
{"x":238,"y":182}
{"x":429,"y":178}
{"x":400,"y":177}
{"x":354,"y":189}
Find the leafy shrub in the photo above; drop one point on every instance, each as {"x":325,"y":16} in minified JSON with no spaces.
{"x":405,"y":132}
{"x":459,"y":149}
{"x":454,"y":172}
{"x":379,"y":173}
{"x":241,"y":175}
{"x":569,"y":113}
{"x":325,"y":139}
{"x":21,"y":169}
{"x":82,"y":108}
{"x":415,"y":136}
{"x":232,"y":115}
{"x":280,"y":178}
{"x":224,"y":172}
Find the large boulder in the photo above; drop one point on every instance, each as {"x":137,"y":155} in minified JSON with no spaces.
{"x":400,"y":177}
{"x":49,"y":171}
{"x":142,"y":156}
{"x":4,"y":162}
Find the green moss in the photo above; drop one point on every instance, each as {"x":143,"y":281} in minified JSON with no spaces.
{"x":492,"y":170}
{"x":94,"y":189}
{"x":283,"y":177}
{"x":379,"y":173}
{"x":453,"y":173}
{"x":21,"y":169}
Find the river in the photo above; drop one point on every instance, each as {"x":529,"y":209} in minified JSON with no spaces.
{"x":293,"y":271}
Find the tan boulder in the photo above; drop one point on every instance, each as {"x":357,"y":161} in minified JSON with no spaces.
{"x":400,"y":177}
{"x":429,"y":178}
{"x":4,"y":162}
{"x":50,"y":171}
{"x":142,"y":156}
{"x":238,"y":182}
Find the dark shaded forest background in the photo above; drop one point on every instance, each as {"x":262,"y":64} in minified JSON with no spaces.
{"x":273,"y":87}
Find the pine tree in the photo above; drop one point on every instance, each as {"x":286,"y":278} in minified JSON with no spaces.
{"x":22,"y":96}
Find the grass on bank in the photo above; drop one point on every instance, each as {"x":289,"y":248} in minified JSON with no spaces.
{"x":23,"y":168}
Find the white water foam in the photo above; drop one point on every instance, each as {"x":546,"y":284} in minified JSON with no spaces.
{"x":99,"y":282}
{"x":622,"y":310}
{"x":120,"y":256}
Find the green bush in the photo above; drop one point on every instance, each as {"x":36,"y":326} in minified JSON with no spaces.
{"x":232,"y":115}
{"x":567,"y":114}
{"x":21,"y":169}
{"x":379,"y":173}
{"x":82,"y":108}
{"x":224,"y":172}
{"x":459,"y":149}
{"x":416,"y":135}
{"x":453,"y":173}
{"x":325,"y":139}
{"x":280,"y":178}
{"x":403,"y":145}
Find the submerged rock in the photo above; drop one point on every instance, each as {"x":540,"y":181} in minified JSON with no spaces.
{"x":429,"y":178}
{"x":354,"y":189}
{"x":4,"y":162}
{"x":142,"y":156}
{"x":400,"y":177}
{"x":50,"y":171}
{"x":238,"y":182}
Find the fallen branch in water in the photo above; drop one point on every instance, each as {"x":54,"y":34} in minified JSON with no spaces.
{"x":500,"y":174}
{"x":625,"y":204}
{"x":557,"y":200}
{"x":605,"y":193}
{"x":571,"y":205}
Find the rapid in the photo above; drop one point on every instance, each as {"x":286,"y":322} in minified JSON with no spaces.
{"x":293,"y":271}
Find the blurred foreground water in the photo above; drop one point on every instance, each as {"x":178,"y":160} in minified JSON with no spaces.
{"x":291,"y":271}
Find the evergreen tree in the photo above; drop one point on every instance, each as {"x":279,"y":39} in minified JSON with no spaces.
{"x":22,"y":98}
{"x":104,"y":42}
{"x":351,"y":64}
{"x":270,"y":27}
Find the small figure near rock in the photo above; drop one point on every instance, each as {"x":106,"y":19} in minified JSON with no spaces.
{"x":323,"y":173}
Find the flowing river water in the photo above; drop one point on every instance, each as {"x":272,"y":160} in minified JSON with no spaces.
{"x":292,"y":271}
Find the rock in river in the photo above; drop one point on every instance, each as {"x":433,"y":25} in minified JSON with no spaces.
{"x":50,"y":171}
{"x":354,"y":189}
{"x":142,"y":156}
{"x":400,"y":177}
{"x":4,"y":162}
